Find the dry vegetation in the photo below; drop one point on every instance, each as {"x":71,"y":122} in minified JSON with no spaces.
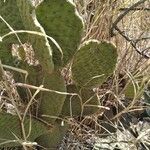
{"x":122,"y":126}
{"x":123,"y":131}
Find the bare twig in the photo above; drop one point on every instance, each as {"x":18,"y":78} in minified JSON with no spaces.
{"x":123,"y":15}
{"x":135,"y":9}
{"x":122,"y":33}
{"x":133,"y":43}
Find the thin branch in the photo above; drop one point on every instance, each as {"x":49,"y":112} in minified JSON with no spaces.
{"x":133,"y":44}
{"x":123,"y":15}
{"x":142,"y":38}
{"x":42,"y":89}
{"x":122,"y":33}
{"x":135,"y":9}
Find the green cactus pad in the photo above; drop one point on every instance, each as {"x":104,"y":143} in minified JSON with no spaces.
{"x":52,"y":139}
{"x":60,"y":21}
{"x":10,"y":126}
{"x":90,"y":100}
{"x":132,"y":91}
{"x":74,"y":106}
{"x":129,"y":91}
{"x":93,"y":63}
{"x":40,"y":44}
{"x":51,"y":103}
{"x":10,"y":13}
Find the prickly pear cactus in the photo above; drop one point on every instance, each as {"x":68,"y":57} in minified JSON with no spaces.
{"x":130,"y":90}
{"x":72,"y":105}
{"x":51,"y":102}
{"x":52,"y":139}
{"x":61,"y":21}
{"x":10,"y":13}
{"x":40,"y":44}
{"x":93,"y":63}
{"x":10,"y":128}
{"x":85,"y":103}
{"x":134,"y":89}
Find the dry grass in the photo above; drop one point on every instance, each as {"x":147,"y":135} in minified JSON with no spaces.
{"x":98,"y":16}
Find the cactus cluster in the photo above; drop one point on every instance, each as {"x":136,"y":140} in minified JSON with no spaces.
{"x":56,"y":22}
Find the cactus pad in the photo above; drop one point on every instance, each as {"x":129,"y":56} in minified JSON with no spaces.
{"x":129,"y":91}
{"x":93,"y":63}
{"x":134,"y":90}
{"x":10,"y":13}
{"x":40,"y":44}
{"x":72,"y":104}
{"x":60,"y":21}
{"x":10,"y":126}
{"x":51,"y":103}
{"x":52,"y":139}
{"x":87,"y":104}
